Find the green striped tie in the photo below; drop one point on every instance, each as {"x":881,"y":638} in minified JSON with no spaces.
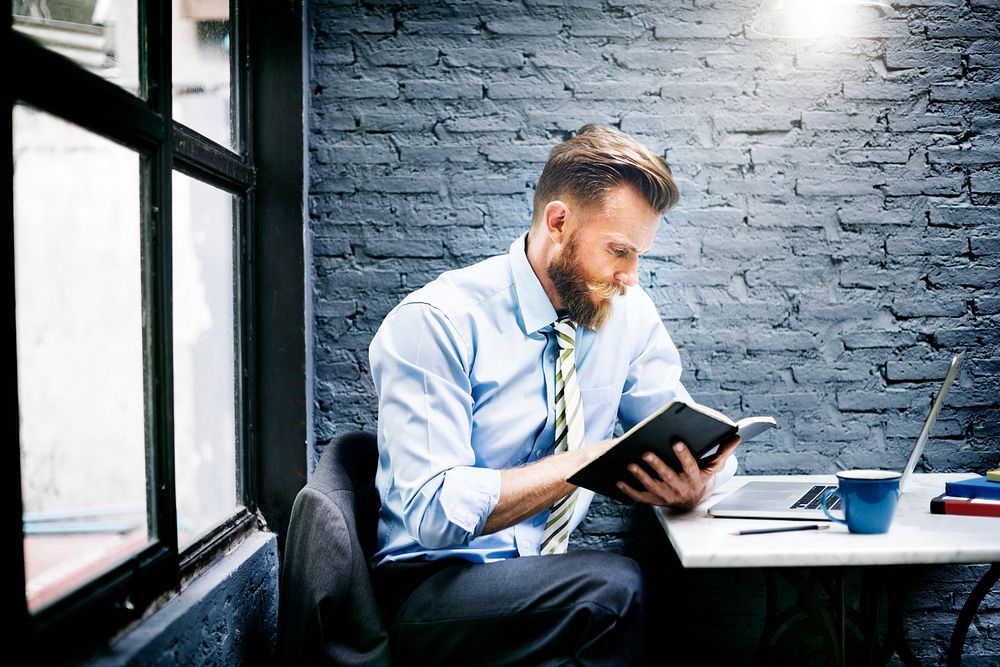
{"x":569,"y":433}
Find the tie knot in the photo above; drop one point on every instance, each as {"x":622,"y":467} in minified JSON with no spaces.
{"x":565,"y":329}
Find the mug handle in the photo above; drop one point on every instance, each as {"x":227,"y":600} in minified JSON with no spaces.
{"x":826,"y":510}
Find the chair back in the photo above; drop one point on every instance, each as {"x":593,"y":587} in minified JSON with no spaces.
{"x":327,"y":612}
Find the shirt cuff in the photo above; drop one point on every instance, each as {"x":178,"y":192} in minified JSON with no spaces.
{"x":468,"y":497}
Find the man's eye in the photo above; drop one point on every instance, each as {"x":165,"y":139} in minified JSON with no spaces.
{"x":619,"y":252}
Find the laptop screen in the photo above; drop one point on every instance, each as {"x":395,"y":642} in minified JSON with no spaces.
{"x":925,"y":432}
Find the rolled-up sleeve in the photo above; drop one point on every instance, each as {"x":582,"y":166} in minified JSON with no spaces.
{"x":428,"y":472}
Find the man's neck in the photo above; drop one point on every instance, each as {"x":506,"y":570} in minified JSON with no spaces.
{"x":537,"y":251}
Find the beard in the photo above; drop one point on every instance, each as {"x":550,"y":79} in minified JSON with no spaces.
{"x":578,"y":294}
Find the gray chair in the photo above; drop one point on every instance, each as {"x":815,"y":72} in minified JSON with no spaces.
{"x":327,"y":612}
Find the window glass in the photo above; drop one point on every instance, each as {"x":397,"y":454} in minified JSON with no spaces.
{"x":204,"y":357}
{"x":201,"y":68}
{"x":99,"y":35}
{"x":79,"y":352}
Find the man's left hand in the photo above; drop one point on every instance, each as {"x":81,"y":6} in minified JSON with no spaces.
{"x":681,"y":490}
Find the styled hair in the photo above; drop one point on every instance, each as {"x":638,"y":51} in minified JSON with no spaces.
{"x":598,"y":159}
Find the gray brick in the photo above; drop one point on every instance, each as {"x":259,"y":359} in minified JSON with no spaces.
{"x":493,"y":123}
{"x":336,"y":23}
{"x":682,"y":30}
{"x":985,"y":182}
{"x":484,"y":184}
{"x":701,"y":90}
{"x":341,"y":54}
{"x":967,"y":276}
{"x":561,"y":59}
{"x":807,"y":187}
{"x":790,"y":155}
{"x":949,"y":60}
{"x":401,"y":184}
{"x":605,"y":28}
{"x":517,"y":153}
{"x":925,"y":123}
{"x":613,"y":90}
{"x":873,"y":155}
{"x":949,"y":92}
{"x":877,"y":339}
{"x":837,"y":120}
{"x":386,"y":121}
{"x":882,"y":91}
{"x":930,"y":185}
{"x":656,"y":59}
{"x":904,"y":245}
{"x":987,"y":305}
{"x":964,"y":28}
{"x":875,"y":401}
{"x":984,"y":61}
{"x":827,"y":61}
{"x":361,"y":89}
{"x":781,"y":341}
{"x":435,"y":90}
{"x":528,"y":89}
{"x":451,"y":26}
{"x":335,"y":309}
{"x":859,"y":215}
{"x":985,"y":245}
{"x":805,"y":87}
{"x":521,"y":27}
{"x":404,"y":56}
{"x":967,"y":337}
{"x":956,"y":155}
{"x":424,"y":248}
{"x":760,"y":122}
{"x":637,"y":123}
{"x":702,"y":156}
{"x":483,"y":57}
{"x":964,"y":216}
{"x":461,"y":153}
{"x":915,"y":371}
{"x":708,"y":217}
{"x":930,"y":305}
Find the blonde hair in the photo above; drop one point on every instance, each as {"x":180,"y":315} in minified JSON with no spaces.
{"x":598,"y":159}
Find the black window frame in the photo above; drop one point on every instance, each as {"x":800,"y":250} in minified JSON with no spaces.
{"x":272,"y":345}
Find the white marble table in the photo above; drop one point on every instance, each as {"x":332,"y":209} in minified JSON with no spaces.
{"x":916,"y":535}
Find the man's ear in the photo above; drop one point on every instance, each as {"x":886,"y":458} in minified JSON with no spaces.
{"x":554,"y":218}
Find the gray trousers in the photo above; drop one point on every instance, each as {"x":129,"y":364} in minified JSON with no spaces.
{"x":579,"y":608}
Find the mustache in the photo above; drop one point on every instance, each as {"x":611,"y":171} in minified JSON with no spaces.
{"x":606,"y":290}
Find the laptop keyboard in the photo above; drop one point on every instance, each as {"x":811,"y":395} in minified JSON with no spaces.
{"x":810,"y":499}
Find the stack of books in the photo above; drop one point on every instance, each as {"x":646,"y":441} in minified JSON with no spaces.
{"x":975,"y":496}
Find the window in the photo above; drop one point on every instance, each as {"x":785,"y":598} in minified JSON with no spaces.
{"x":129,"y":294}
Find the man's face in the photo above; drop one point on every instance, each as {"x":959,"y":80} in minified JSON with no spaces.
{"x":600,"y":256}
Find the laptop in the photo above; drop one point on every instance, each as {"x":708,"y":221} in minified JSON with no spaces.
{"x":773,"y":499}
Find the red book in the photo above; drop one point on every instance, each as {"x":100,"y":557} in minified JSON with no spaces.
{"x":945,"y":504}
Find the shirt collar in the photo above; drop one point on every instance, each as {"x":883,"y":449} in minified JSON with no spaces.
{"x":536,"y":309}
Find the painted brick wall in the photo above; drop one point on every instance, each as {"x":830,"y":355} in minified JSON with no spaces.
{"x":838,"y":236}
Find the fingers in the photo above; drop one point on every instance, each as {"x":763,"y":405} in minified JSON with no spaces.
{"x":687,"y":460}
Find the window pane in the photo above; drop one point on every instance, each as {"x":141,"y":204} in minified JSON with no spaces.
{"x":99,"y":35}
{"x":79,"y":352}
{"x":204,"y":357}
{"x":201,"y":68}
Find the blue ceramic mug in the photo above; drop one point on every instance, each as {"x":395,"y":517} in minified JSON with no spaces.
{"x":868,"y":497}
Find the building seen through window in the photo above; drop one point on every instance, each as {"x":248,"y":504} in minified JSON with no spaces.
{"x":89,"y":327}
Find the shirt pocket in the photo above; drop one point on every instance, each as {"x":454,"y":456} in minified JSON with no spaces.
{"x":600,"y":410}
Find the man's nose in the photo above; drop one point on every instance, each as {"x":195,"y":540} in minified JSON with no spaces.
{"x":629,"y":278}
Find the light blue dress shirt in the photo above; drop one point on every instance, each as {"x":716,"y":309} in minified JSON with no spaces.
{"x":464,"y":369}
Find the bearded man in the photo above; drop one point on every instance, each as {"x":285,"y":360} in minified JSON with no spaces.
{"x":497,"y":381}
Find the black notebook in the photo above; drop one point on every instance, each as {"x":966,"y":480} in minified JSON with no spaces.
{"x":701,"y":428}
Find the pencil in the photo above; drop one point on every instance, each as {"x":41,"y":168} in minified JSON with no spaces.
{"x":782,"y":529}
